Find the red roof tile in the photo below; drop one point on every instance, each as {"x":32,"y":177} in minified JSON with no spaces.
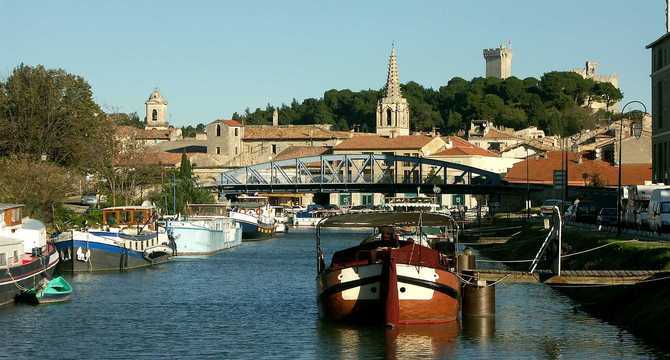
{"x":292,"y":152}
{"x":232,"y":123}
{"x":301,"y":132}
{"x":461,"y":147}
{"x":541,"y":171}
{"x":408,"y":142}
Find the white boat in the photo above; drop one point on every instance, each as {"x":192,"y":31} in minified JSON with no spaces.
{"x":408,"y":204}
{"x":281,"y":218}
{"x":255,"y":215}
{"x":207,"y":229}
{"x":312,"y":216}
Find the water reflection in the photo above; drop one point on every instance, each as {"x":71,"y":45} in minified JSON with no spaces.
{"x":409,"y":342}
{"x":481,"y":328}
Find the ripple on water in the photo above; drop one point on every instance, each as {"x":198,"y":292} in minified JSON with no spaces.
{"x":258,"y":301}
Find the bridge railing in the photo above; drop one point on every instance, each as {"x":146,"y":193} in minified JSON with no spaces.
{"x":358,"y":169}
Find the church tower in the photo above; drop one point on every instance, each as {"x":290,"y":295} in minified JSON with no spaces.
{"x":393,"y":109}
{"x":499,"y":61}
{"x":156,"y":111}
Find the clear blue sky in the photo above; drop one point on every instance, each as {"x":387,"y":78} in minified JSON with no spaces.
{"x":211,"y":58}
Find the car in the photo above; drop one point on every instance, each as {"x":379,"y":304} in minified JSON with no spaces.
{"x":547,"y":208}
{"x":585,"y":212}
{"x":659,"y":210}
{"x":607,"y":217}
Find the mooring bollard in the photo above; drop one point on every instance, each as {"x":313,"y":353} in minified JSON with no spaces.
{"x":466,"y":261}
{"x":478,"y":299}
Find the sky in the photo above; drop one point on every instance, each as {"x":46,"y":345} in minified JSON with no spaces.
{"x":212,"y":58}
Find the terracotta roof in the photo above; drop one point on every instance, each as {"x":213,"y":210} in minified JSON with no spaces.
{"x":408,"y":142}
{"x":142,"y":134}
{"x":160,"y":158}
{"x":461,"y":147}
{"x":541,"y":171}
{"x":292,"y":152}
{"x":232,"y":123}
{"x":495,"y":134}
{"x":302,"y":132}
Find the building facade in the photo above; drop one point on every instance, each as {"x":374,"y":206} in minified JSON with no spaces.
{"x":156,"y":111}
{"x":499,"y":61}
{"x":660,"y":101}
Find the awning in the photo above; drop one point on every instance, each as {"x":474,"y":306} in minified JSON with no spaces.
{"x":388,"y":219}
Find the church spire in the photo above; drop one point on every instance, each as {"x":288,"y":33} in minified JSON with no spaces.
{"x":392,"y":81}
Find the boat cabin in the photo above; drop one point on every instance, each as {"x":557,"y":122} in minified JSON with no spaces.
{"x":11,"y":251}
{"x":420,"y":203}
{"x":128,"y":215}
{"x":12,"y":215}
{"x":205,"y":210}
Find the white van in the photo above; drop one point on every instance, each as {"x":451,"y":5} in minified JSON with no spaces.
{"x":659,"y":210}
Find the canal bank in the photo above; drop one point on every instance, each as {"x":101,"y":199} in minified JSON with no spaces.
{"x":641,"y":308}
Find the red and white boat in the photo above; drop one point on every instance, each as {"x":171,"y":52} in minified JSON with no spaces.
{"x":26,"y":257}
{"x":396,"y":276}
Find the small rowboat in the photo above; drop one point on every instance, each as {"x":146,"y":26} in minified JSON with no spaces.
{"x":56,"y":290}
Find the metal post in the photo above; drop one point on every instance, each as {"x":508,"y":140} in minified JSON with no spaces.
{"x":527,"y":190}
{"x":174,"y":193}
{"x":618,"y":189}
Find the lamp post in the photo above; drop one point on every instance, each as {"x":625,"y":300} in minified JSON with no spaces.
{"x":637,"y":132}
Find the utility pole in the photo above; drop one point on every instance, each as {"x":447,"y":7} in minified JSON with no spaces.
{"x":174,"y":193}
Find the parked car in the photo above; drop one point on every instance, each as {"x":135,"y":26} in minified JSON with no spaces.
{"x":547,"y":208}
{"x":607,"y":217}
{"x":659,"y":210}
{"x":585,"y":212}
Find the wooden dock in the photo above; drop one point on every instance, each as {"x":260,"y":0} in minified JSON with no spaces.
{"x":569,"y":277}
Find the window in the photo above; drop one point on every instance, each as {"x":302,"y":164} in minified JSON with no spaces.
{"x":274,"y":148}
{"x":237,"y":132}
{"x":218,"y":150}
{"x":16,"y":256}
{"x":659,"y":101}
{"x":139,"y":217}
{"x":3,"y":259}
{"x":154,"y":115}
{"x":367,"y":199}
{"x":388,"y":117}
{"x":218,"y":130}
{"x":236,"y":150}
{"x":345,"y":199}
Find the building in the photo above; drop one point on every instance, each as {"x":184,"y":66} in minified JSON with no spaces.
{"x":660,"y":100}
{"x":156,"y":111}
{"x":486,"y":136}
{"x":234,"y":144}
{"x":499,"y":61}
{"x":581,"y":172}
{"x":392,"y":110}
{"x":590,"y":71}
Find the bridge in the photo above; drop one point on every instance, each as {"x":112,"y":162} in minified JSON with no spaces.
{"x":383,"y":173}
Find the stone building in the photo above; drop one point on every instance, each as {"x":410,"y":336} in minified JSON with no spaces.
{"x":590,"y":71}
{"x":660,"y":104}
{"x":393,"y":109}
{"x":156,"y":111}
{"x":499,"y":61}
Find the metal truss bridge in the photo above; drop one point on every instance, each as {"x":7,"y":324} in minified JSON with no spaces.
{"x":361,"y":173}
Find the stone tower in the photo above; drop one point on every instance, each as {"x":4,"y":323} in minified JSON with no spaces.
{"x":156,"y":111}
{"x":393,"y":109}
{"x":499,"y":61}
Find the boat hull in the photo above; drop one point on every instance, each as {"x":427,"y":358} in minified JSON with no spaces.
{"x":252,"y":228}
{"x":361,"y":294}
{"x":27,"y":276}
{"x":197,"y":238}
{"x":101,"y":253}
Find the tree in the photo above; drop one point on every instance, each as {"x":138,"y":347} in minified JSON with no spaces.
{"x":182,"y":185}
{"x":607,"y":93}
{"x":40,"y":185}
{"x":46,"y":112}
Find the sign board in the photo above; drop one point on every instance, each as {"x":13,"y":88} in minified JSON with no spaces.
{"x":458,"y":199}
{"x":559,"y":179}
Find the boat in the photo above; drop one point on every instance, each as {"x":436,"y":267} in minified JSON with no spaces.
{"x":127,"y":239}
{"x":416,"y":203}
{"x":52,"y":291}
{"x":26,"y":255}
{"x":254,"y":215}
{"x":395,"y":276}
{"x":313,"y":215}
{"x":206,"y":229}
{"x":281,"y":217}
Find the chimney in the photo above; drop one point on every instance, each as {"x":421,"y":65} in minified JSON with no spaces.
{"x":275,"y":116}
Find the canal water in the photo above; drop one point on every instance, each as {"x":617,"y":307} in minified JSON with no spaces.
{"x":258,"y":301}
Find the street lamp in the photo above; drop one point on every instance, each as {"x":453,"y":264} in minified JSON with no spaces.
{"x":637,"y":132}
